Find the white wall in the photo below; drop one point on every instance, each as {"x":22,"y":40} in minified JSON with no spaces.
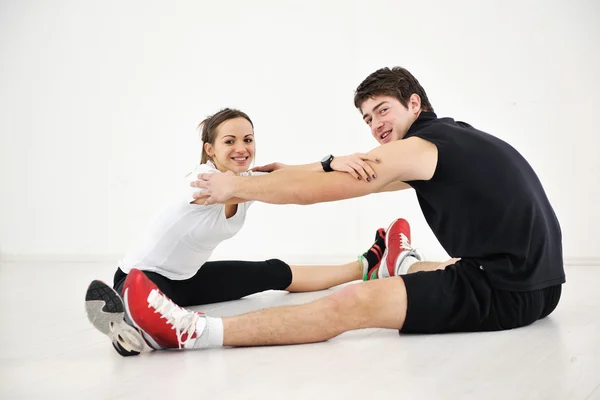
{"x":99,"y":102}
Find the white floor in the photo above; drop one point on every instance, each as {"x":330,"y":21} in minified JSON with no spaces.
{"x":49,"y":350}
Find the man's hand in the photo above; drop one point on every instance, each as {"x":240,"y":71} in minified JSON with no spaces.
{"x":269,"y":167}
{"x":355,"y":165}
{"x":218,"y":187}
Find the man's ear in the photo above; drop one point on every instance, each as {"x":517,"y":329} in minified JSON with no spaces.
{"x":414,"y":103}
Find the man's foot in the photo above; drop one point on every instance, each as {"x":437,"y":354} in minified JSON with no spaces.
{"x":104,"y":308}
{"x":371,"y":259}
{"x":397,"y":248}
{"x":169,"y":325}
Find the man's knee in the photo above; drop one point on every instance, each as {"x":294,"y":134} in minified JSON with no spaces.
{"x":378,"y":303}
{"x":354,"y":299}
{"x":346,"y":298}
{"x":368,"y":295}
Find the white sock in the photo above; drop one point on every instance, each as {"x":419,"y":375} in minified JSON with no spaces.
{"x":406,"y":264}
{"x":364,"y":264}
{"x":210,"y":333}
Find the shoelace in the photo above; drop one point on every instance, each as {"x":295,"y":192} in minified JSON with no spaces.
{"x":412,"y":250}
{"x":183,"y":321}
{"x":405,"y":243}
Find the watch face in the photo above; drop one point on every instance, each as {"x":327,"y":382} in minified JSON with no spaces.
{"x":326,"y":158}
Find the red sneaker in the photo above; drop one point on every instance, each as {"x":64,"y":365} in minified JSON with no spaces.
{"x":169,"y":325}
{"x":397,"y":246}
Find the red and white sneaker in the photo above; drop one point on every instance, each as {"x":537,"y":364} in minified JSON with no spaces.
{"x":397,"y":247}
{"x":169,"y":325}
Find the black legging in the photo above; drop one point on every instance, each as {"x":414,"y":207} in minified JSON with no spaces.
{"x":219,"y":281}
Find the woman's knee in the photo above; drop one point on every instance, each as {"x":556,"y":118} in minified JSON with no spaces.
{"x":280,"y":273}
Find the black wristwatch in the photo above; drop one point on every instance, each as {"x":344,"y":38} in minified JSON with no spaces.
{"x":326,"y":163}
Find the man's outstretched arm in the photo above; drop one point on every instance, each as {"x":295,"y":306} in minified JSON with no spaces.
{"x":403,"y":160}
{"x":304,"y":187}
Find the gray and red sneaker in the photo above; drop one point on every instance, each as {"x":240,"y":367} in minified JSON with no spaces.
{"x":168,"y":325}
{"x":105,"y":310}
{"x":397,"y":247}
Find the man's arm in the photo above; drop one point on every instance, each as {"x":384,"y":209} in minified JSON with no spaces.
{"x":403,"y":160}
{"x":303,"y":187}
{"x":395,"y":186}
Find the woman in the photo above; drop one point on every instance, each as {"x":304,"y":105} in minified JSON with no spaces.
{"x":173,"y":253}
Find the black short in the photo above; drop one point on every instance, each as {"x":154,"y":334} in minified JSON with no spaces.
{"x":218,"y":281}
{"x":460,"y":298}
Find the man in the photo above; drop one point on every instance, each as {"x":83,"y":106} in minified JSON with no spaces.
{"x":481,"y":198}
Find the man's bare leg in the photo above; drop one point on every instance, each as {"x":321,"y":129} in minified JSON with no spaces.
{"x":374,"y":304}
{"x":430,"y":265}
{"x":308,"y":278}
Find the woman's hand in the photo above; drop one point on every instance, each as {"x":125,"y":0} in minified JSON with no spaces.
{"x":355,"y":165}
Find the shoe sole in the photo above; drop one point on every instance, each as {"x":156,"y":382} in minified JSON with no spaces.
{"x":105,"y":310}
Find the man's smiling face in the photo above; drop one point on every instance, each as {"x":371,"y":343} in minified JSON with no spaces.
{"x":388,"y":119}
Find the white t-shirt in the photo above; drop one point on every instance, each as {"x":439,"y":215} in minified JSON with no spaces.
{"x":184,"y":235}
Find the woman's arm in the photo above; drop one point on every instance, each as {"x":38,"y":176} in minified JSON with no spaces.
{"x":354,"y":164}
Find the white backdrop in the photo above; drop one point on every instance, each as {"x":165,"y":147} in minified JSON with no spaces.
{"x":99,"y":103}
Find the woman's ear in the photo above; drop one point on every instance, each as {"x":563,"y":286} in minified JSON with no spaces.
{"x":209,"y":149}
